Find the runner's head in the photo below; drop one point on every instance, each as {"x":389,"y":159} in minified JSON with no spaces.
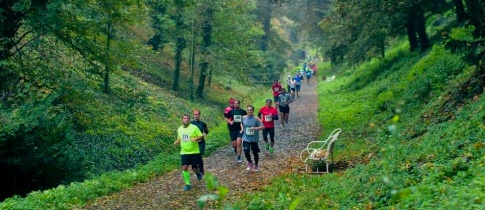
{"x":196,"y":113}
{"x":186,"y":120}
{"x":236,"y":104}
{"x":268,"y":102}
{"x":283,"y":91}
{"x":250,"y":110}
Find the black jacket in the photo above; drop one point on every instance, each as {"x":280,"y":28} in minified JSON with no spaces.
{"x":202,"y":126}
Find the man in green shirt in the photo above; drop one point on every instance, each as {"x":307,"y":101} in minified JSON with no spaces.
{"x":188,"y":136}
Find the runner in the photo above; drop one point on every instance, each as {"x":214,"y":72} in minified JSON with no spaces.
{"x":268,"y":115}
{"x":276,"y":91}
{"x":250,"y":127}
{"x":308,"y":76}
{"x":292,"y":89}
{"x":233,"y":118}
{"x":226,"y":112}
{"x":288,"y":82}
{"x":314,"y":68}
{"x":187,"y":136}
{"x":285,"y":100}
{"x":205,"y":130}
{"x":298,"y":79}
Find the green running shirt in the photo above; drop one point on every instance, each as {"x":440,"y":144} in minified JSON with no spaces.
{"x":185,"y":134}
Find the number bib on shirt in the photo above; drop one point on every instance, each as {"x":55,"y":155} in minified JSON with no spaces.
{"x":185,"y":137}
{"x":249,"y":132}
{"x":268,"y":118}
{"x":237,"y":118}
{"x":276,"y":89}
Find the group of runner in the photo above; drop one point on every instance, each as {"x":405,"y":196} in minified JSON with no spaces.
{"x":294,"y":83}
{"x":243,"y":126}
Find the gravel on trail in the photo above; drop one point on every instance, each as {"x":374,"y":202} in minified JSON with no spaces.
{"x":166,"y":192}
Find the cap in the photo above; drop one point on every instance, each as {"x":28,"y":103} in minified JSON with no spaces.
{"x":231,"y":101}
{"x":269,"y":100}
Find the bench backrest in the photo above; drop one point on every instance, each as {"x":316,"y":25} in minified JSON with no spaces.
{"x":333,"y":137}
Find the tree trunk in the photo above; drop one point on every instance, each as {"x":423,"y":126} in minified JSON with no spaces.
{"x":206,"y":43}
{"x":209,"y":81}
{"x":179,"y":45}
{"x":460,"y":11}
{"x":266,"y":17}
{"x":108,"y":63}
{"x":382,"y":48}
{"x":421,"y":30}
{"x":411,"y":29}
{"x":475,"y":13}
{"x":192,"y":61}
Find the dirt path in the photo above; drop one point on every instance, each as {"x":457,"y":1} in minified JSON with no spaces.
{"x":166,"y":192}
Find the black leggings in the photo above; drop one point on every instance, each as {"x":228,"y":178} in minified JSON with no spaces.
{"x":251,"y":146}
{"x":248,"y":156}
{"x":269,"y":131}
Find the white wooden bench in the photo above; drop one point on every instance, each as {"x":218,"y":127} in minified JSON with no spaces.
{"x":320,"y":152}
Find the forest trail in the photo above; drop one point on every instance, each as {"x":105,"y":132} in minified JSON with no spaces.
{"x":165,"y":192}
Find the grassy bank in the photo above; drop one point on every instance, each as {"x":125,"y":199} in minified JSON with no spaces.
{"x":412,"y":138}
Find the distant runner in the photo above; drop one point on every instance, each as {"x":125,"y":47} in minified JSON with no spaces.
{"x":285,"y":100}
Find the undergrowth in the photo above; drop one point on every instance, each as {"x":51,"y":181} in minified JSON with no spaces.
{"x":405,"y":146}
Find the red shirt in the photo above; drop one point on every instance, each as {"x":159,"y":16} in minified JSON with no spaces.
{"x":276,"y":89}
{"x":268,"y":121}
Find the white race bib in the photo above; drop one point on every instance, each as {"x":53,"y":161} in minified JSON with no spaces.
{"x":276,"y":89}
{"x":185,"y":137}
{"x":237,"y":118}
{"x":268,"y":118}
{"x":249,"y":131}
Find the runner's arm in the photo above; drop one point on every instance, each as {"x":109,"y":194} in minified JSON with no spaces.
{"x":275,"y":115}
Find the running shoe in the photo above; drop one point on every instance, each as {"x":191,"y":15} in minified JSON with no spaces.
{"x":271,"y":150}
{"x":266,"y":146}
{"x":238,"y":158}
{"x":249,"y":166}
{"x":187,"y":187}
{"x":255,"y":168}
{"x":199,"y":175}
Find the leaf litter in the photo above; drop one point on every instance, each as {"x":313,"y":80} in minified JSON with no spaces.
{"x":165,"y":192}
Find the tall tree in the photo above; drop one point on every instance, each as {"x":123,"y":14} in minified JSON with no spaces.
{"x":179,"y":43}
{"x":459,"y":11}
{"x":264,"y":13}
{"x":476,"y":16}
{"x":207,"y":25}
{"x":12,"y":15}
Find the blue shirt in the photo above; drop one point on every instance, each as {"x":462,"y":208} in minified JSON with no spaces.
{"x":250,"y":135}
{"x":298,"y":80}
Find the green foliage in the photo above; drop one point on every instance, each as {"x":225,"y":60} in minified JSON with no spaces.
{"x":411,"y":140}
{"x":462,"y":33}
{"x":78,"y":193}
{"x":433,"y":72}
{"x":56,"y":123}
{"x":217,"y":193}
